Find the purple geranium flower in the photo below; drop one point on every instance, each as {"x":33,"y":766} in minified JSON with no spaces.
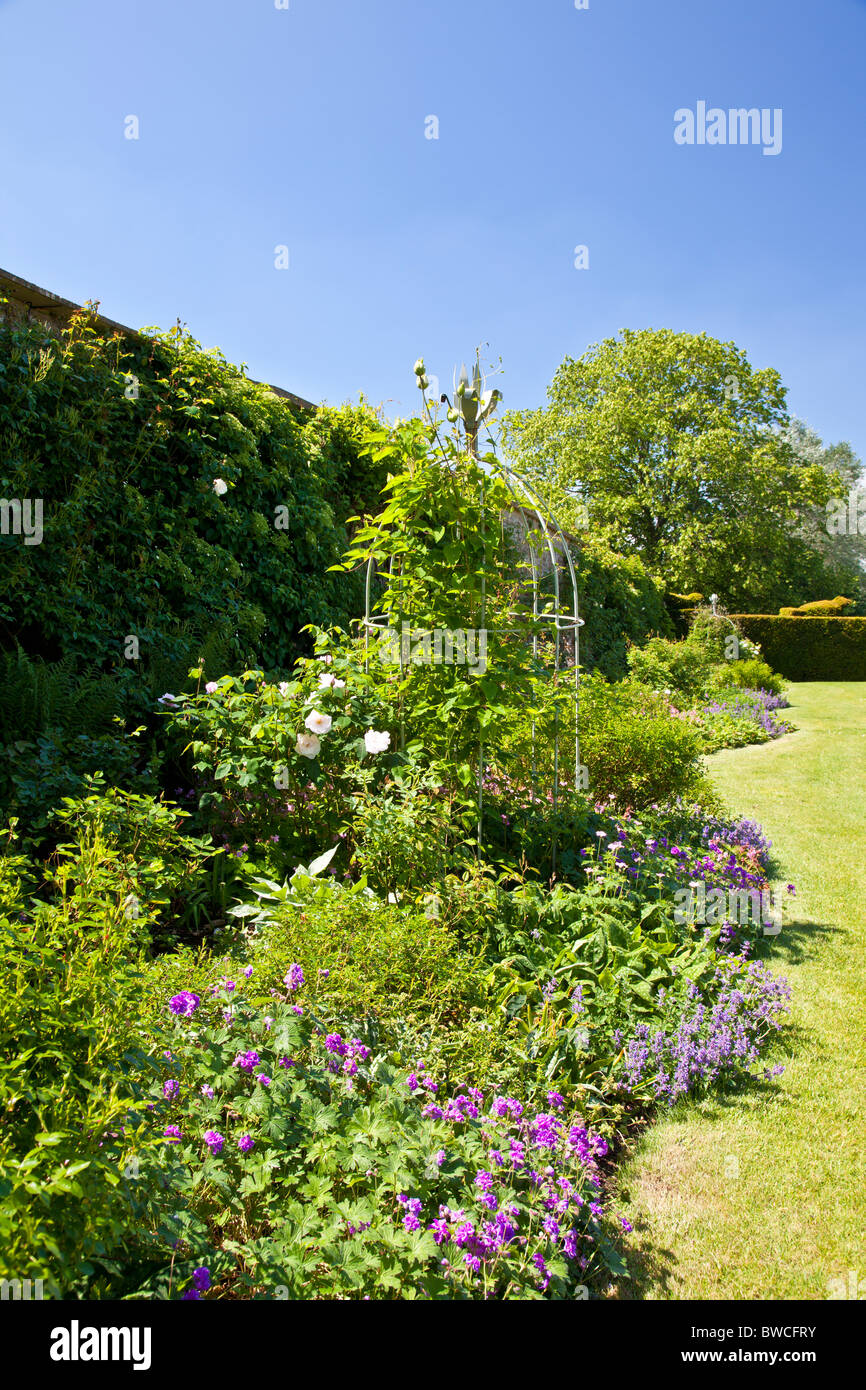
{"x":184,"y":1003}
{"x":214,"y":1141}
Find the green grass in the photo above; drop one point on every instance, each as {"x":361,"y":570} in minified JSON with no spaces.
{"x":762,"y":1194}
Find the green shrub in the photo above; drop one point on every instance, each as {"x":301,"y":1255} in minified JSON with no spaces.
{"x":401,"y":834}
{"x":636,"y":752}
{"x":364,"y":958}
{"x":810,"y":649}
{"x":163,"y":872}
{"x":746,"y":675}
{"x":35,"y":776}
{"x":620,"y":602}
{"x":723,"y":730}
{"x":633,"y":749}
{"x":681,"y":667}
{"x":412,"y":977}
{"x":69,"y":1052}
{"x":399,"y":975}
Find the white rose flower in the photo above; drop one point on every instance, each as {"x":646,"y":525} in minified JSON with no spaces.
{"x":376,"y":742}
{"x":284,"y":689}
{"x":308,"y":746}
{"x":220,"y":486}
{"x":318,"y":723}
{"x":329,"y":682}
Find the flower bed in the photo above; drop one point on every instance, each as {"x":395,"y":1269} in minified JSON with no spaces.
{"x":335,"y":1030}
{"x":737,"y":717}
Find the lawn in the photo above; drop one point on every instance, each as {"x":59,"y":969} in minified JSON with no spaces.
{"x":761,"y":1194}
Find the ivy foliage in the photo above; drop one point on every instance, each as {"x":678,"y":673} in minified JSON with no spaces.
{"x":123,"y":439}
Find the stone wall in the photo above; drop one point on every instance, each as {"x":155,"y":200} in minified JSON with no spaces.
{"x":28,"y":302}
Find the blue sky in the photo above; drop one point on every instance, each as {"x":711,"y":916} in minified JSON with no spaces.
{"x":306,"y":128}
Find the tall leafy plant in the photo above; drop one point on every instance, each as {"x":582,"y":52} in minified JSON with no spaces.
{"x":447,"y":565}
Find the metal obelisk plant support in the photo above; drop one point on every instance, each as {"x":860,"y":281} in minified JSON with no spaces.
{"x":473,"y":406}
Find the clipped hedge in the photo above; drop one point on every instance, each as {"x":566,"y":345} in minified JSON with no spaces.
{"x":809,"y":649}
{"x":682,"y":608}
{"x":821,"y":608}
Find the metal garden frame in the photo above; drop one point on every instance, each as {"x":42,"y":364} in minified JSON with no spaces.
{"x":554,"y":539}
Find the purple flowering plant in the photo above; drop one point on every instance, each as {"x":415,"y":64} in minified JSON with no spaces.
{"x":593,"y":966}
{"x":705,"y":1037}
{"x":345,"y":1178}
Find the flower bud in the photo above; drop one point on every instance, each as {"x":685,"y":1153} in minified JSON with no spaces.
{"x":419,"y":367}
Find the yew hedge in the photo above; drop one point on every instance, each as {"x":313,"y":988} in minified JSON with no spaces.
{"x":809,"y":649}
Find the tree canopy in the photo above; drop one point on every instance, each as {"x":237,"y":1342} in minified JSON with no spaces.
{"x":673,"y":446}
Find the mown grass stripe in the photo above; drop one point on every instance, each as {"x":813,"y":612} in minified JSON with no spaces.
{"x":762,"y":1194}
